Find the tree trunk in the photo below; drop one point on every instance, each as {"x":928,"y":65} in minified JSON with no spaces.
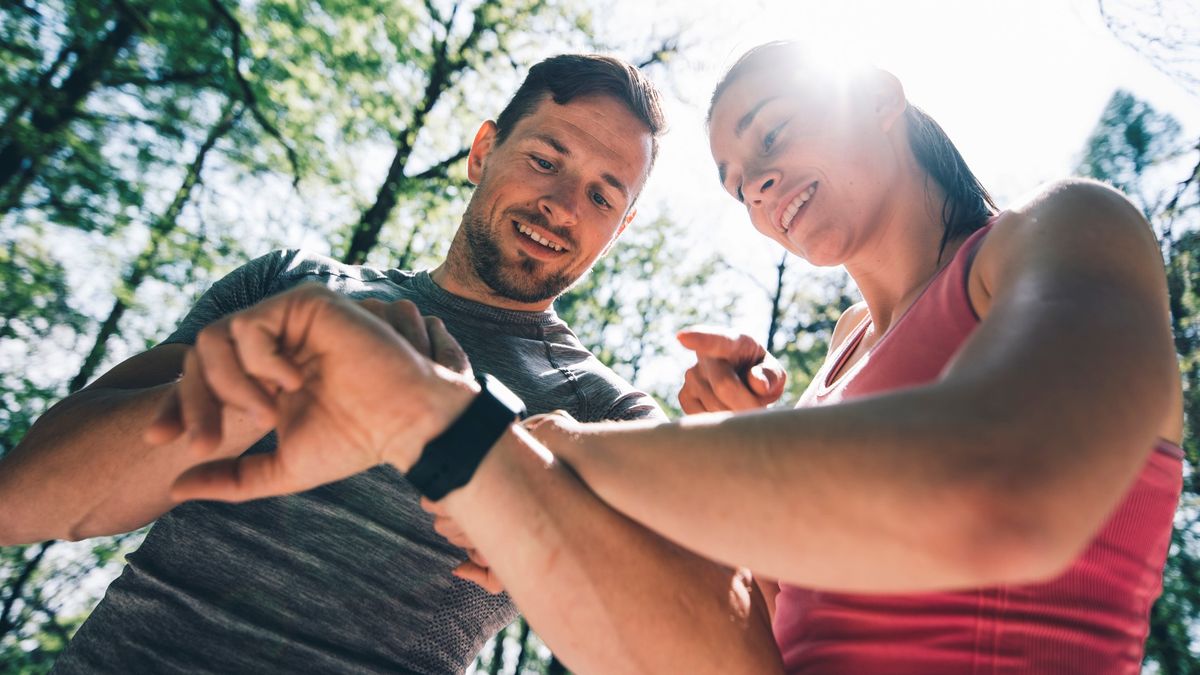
{"x":366,"y":233}
{"x":18,"y":588}
{"x":497,"y":662}
{"x":556,"y":667}
{"x":55,"y":108}
{"x":523,"y":644}
{"x":145,"y":262}
{"x":776,"y":304}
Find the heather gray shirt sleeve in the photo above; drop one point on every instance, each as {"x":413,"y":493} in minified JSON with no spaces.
{"x":241,"y":288}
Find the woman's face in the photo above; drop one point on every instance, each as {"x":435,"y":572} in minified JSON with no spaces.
{"x":811,"y":158}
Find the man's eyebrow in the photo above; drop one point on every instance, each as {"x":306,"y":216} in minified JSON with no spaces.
{"x":562,"y":150}
{"x":748,"y":119}
{"x":554,"y":143}
{"x":613,"y":181}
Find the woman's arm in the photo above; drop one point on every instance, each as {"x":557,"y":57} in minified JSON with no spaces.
{"x":1001,"y":471}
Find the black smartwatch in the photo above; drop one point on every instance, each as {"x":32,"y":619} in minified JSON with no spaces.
{"x":448,"y":461}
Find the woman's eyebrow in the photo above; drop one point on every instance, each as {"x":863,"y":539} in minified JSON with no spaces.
{"x":748,"y":119}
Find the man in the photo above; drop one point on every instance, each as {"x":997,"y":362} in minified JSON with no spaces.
{"x":351,"y":576}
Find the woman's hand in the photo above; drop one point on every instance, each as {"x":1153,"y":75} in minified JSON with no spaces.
{"x":732,"y":373}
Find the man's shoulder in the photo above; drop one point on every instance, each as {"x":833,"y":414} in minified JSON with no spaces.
{"x":300,"y":265}
{"x":607,"y":395}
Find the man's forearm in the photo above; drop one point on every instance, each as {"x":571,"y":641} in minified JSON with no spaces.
{"x":83,"y":469}
{"x":606,"y":594}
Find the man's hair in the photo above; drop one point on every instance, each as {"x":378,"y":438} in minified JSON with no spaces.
{"x":968,"y":204}
{"x":569,"y":76}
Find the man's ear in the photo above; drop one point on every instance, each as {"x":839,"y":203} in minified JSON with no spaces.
{"x":481,"y":147}
{"x":624,"y":223}
{"x":888,"y":98}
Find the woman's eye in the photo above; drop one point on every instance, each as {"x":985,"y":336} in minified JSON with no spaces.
{"x":771,"y":137}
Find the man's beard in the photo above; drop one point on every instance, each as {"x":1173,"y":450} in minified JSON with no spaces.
{"x":519,"y":281}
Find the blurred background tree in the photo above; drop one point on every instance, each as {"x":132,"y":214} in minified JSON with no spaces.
{"x":147,"y":148}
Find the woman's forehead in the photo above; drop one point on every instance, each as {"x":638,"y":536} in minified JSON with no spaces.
{"x":752,"y":91}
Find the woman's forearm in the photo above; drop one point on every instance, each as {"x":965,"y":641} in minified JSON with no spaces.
{"x":900,"y":492}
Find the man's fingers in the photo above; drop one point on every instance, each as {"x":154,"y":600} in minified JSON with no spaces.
{"x":167,"y":424}
{"x":199,"y":410}
{"x":445,"y":349}
{"x":406,"y":319}
{"x":227,"y":379}
{"x":235,"y":480}
{"x":477,"y":557}
{"x":432,"y":506}
{"x":451,"y":532}
{"x":257,"y":346}
{"x":480,"y":576}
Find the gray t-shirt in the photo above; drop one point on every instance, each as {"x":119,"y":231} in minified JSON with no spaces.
{"x":348,"y":577}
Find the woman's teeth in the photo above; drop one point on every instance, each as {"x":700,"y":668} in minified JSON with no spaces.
{"x":790,"y":212}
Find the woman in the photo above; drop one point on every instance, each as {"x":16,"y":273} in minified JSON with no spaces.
{"x":994,"y":490}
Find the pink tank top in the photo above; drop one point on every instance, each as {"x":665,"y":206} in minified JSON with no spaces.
{"x":1093,"y":619}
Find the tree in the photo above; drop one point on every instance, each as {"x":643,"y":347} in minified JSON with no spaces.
{"x":1130,"y":147}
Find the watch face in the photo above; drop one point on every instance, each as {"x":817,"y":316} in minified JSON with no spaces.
{"x":502,"y":394}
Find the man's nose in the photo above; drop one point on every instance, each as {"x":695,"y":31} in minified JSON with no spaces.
{"x":561,"y":205}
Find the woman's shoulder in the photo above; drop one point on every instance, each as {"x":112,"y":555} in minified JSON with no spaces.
{"x":846,"y":323}
{"x":1071,"y":204}
{"x":1070,"y":224}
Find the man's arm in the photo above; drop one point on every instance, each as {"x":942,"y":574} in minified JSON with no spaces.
{"x":606,"y":594}
{"x":83,"y":469}
{"x":1001,"y":471}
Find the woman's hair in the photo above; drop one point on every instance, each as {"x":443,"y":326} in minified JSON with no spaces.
{"x":968,"y":204}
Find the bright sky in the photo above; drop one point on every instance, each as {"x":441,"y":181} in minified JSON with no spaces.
{"x":1017,"y":84}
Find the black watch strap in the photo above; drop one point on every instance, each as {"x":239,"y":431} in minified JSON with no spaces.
{"x":448,"y":461}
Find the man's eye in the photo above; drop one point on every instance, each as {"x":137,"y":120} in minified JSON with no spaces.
{"x":543,"y":164}
{"x":738,"y":193}
{"x":599,"y":199}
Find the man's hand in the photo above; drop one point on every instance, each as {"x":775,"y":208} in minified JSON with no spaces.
{"x":475,"y":569}
{"x":732,"y":373}
{"x":344,"y":390}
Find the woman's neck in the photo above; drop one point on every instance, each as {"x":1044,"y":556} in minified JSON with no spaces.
{"x":903,"y":255}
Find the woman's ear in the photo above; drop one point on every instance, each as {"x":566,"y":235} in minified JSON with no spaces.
{"x":481,"y":147}
{"x":887,"y":95}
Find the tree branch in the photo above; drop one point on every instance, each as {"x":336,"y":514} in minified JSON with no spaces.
{"x":248,"y":96}
{"x":18,"y":587}
{"x":442,"y":168}
{"x":666,"y":49}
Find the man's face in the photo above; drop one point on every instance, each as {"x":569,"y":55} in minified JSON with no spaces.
{"x":554,"y":195}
